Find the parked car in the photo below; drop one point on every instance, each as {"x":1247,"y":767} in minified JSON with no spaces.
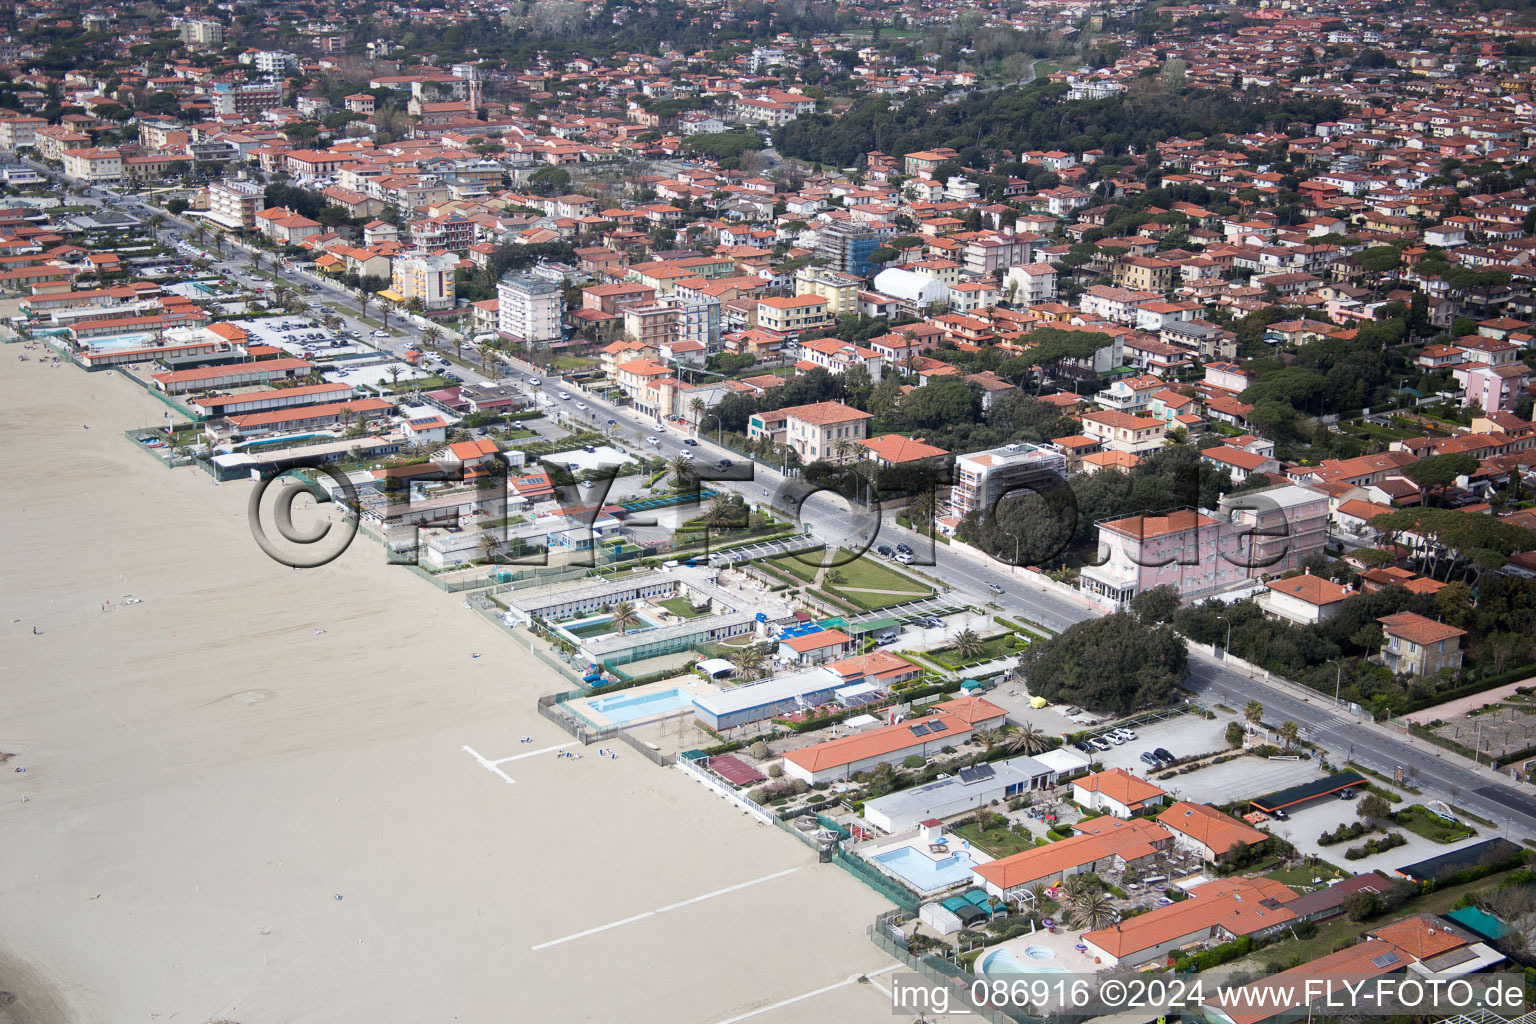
{"x":1114,"y":738}
{"x":1073,"y":711}
{"x":884,"y":549}
{"x":1100,"y":744}
{"x":1279,"y":815}
{"x":1149,"y":760}
{"x":1346,"y":794}
{"x":904,"y":548}
{"x":1164,"y":756}
{"x":1085,"y":748}
{"x":1125,"y":734}
{"x":589,"y":449}
{"x":905,"y":558}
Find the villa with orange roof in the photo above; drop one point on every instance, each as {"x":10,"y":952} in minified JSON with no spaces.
{"x":1117,"y":792}
{"x":846,"y":756}
{"x":1101,"y":844}
{"x":1206,"y":830}
{"x":1215,"y":912}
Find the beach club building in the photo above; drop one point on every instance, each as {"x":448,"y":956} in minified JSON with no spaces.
{"x":950,"y":724}
{"x":1206,"y":831}
{"x":1117,"y":792}
{"x":1215,"y":912}
{"x":263,"y":401}
{"x":848,"y":681}
{"x":1101,"y":844}
{"x":972,"y":788}
{"x":204,"y":378}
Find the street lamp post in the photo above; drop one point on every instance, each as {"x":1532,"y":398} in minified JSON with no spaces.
{"x":719,"y":427}
{"x":1015,"y":537}
{"x":1228,"y":647}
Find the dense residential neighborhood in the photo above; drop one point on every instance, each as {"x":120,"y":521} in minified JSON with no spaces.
{"x":1002,"y":490}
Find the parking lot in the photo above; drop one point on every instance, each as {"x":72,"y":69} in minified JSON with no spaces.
{"x":1184,"y":736}
{"x":1240,"y":779}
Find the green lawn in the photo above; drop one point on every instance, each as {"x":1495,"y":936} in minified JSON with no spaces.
{"x":864,"y":574}
{"x":796,"y":565}
{"x":999,"y":842}
{"x":1420,"y":822}
{"x":991,"y":648}
{"x":680,"y":606}
{"x":1302,"y":875}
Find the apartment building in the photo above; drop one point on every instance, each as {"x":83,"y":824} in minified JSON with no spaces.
{"x":847,"y":246}
{"x":20,"y":131}
{"x":530,"y":308}
{"x":233,"y":204}
{"x":1189,"y":550}
{"x":983,"y":478}
{"x":425,"y":278}
{"x":826,"y":431}
{"x":839,"y":289}
{"x":1125,"y":432}
{"x":93,"y":166}
{"x":792,"y":314}
{"x":1031,"y":284}
{"x":201,"y":32}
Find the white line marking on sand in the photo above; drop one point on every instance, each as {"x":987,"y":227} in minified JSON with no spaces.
{"x":662,"y":910}
{"x":812,"y":995}
{"x":594,"y":931}
{"x":722,"y":892}
{"x":489,"y":766}
{"x":533,"y":753}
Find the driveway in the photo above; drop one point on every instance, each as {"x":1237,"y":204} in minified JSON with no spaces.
{"x":1240,"y":779}
{"x":1327,"y":813}
{"x":1183,"y":736}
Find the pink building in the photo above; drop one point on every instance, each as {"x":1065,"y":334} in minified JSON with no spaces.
{"x":1495,"y":388}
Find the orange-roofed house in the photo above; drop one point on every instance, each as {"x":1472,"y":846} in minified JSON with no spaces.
{"x":1286,"y":994}
{"x":815,"y":648}
{"x":1102,"y":844}
{"x":896,"y":450}
{"x":467,"y":453}
{"x":817,"y":431}
{"x":1206,"y":830}
{"x":1306,"y":600}
{"x":846,"y":756}
{"x":1215,"y":912}
{"x":1118,"y":792}
{"x":1183,"y":549}
{"x":976,"y":712}
{"x":1419,"y":646}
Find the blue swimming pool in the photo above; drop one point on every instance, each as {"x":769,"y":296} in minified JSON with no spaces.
{"x":1004,"y":961}
{"x":925,"y":873}
{"x":621,"y":709}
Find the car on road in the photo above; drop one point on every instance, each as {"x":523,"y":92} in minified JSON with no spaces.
{"x":685,"y":455}
{"x":1164,"y":756}
{"x":904,"y":548}
{"x":1150,"y":760}
{"x":565,"y":396}
{"x":582,"y":406}
{"x":534,"y":382}
{"x":994,"y":588}
{"x":376,"y":334}
{"x":724,"y":464}
{"x":904,"y":557}
{"x":653,"y":439}
{"x":690,"y":442}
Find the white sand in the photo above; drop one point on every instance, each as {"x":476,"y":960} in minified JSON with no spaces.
{"x":204,"y":775}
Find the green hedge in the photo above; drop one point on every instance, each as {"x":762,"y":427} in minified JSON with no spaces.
{"x":1227,"y":951}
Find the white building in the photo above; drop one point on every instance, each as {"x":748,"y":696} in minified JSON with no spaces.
{"x":427,"y":278}
{"x":529,"y":308}
{"x":1031,"y":284}
{"x":915,"y":291}
{"x":234,"y":203}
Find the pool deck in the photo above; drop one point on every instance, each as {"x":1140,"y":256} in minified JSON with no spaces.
{"x":687,"y":681}
{"x":956,"y":844}
{"x":1062,"y":942}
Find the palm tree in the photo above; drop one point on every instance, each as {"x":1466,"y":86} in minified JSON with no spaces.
{"x":924,"y":509}
{"x":431,"y":336}
{"x":1253,"y":711}
{"x":682,"y":470}
{"x":1027,"y":739}
{"x":969,"y":644}
{"x":362,"y":304}
{"x":844,"y":448}
{"x":722,"y":510}
{"x":748,"y":661}
{"x":697,"y":406}
{"x":1074,"y":886}
{"x":154,"y":225}
{"x":394,"y":373}
{"x":347,"y":414}
{"x":1092,"y":911}
{"x":624,"y":616}
{"x":257,"y":259}
{"x":1290,"y":732}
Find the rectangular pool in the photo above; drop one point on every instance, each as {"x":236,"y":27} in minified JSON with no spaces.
{"x":925,"y":873}
{"x":620,"y":709}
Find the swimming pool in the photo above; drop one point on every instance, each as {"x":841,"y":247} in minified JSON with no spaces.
{"x":925,"y":873}
{"x":1003,"y":961}
{"x":600,"y":625}
{"x":621,"y":709}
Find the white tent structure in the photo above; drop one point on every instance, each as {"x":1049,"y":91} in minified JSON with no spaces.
{"x":915,"y":289}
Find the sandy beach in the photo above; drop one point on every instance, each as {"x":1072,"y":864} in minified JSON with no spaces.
{"x":225,"y":815}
